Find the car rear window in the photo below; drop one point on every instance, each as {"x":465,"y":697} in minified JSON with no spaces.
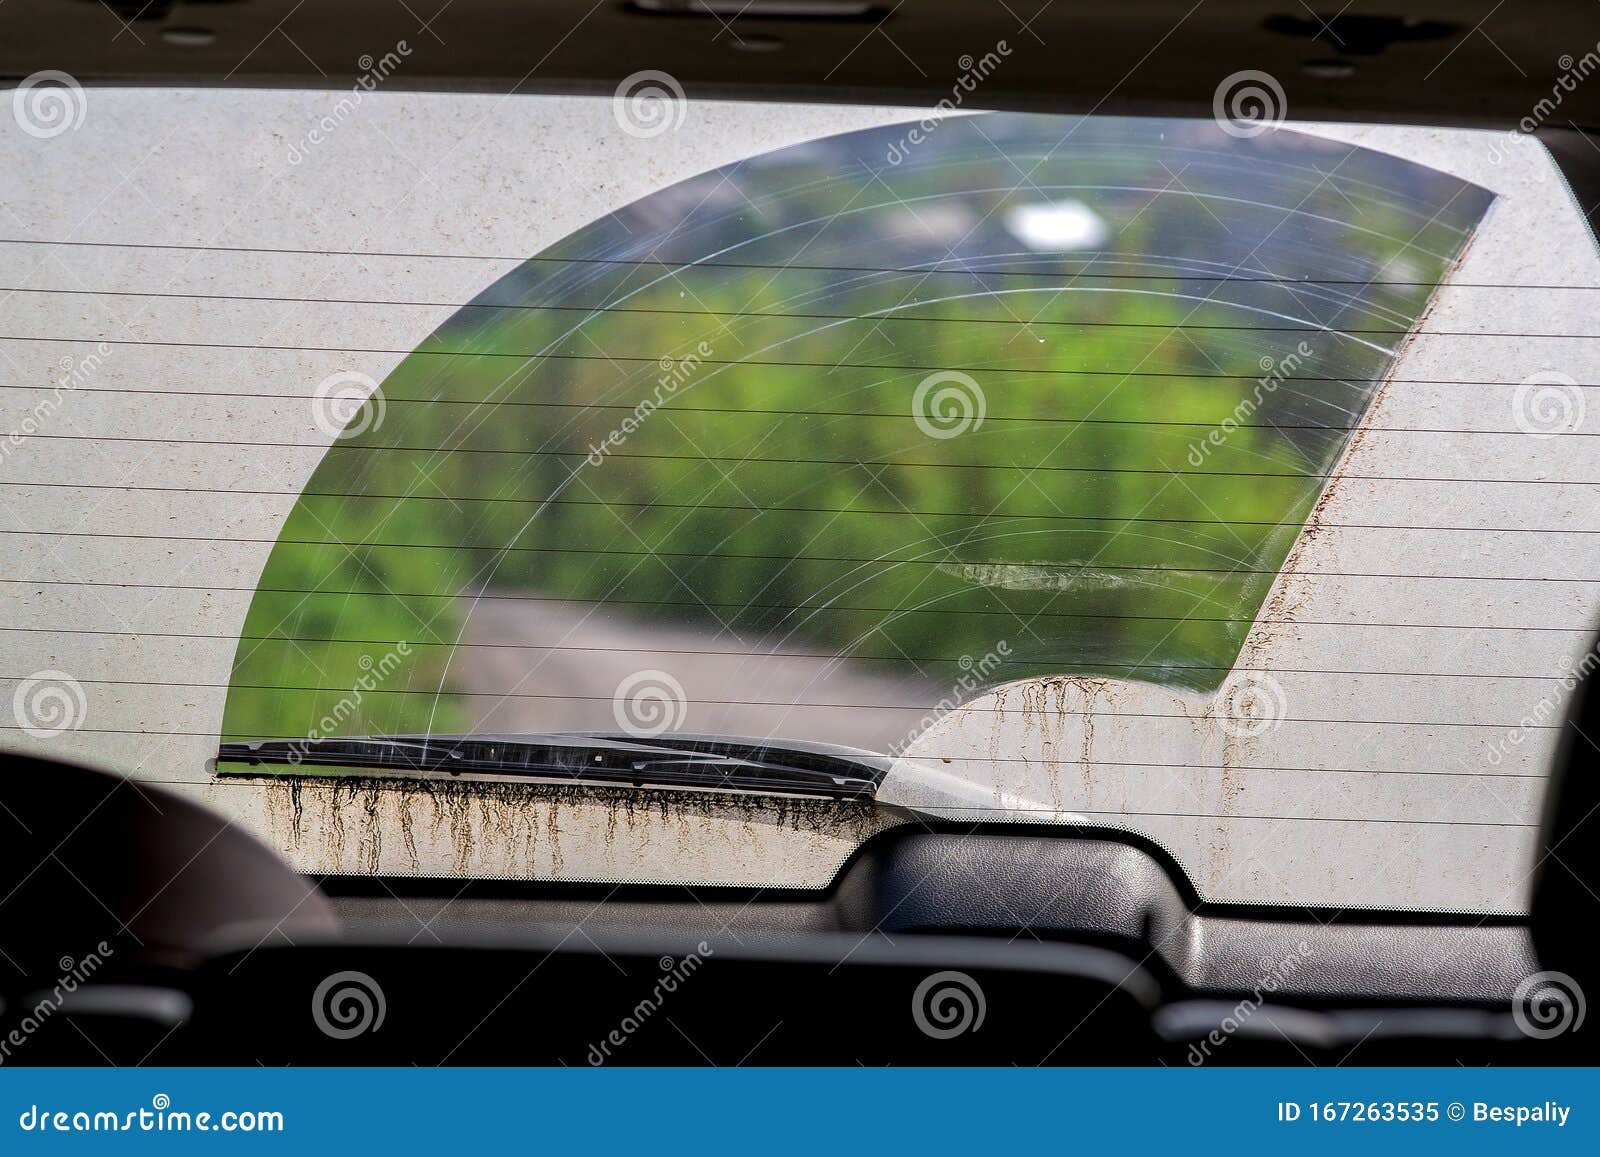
{"x":1229,"y":483}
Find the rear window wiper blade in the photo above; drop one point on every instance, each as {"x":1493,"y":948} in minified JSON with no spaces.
{"x":708,"y":762}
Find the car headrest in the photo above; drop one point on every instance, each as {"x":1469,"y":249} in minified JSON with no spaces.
{"x":1566,"y":880}
{"x":89,"y":858}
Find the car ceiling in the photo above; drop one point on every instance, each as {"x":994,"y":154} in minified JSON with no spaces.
{"x":1434,"y":62}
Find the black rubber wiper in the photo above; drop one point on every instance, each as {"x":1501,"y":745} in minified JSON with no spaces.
{"x":705,"y":762}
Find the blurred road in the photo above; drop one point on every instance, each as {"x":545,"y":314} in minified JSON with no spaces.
{"x":563,"y":664}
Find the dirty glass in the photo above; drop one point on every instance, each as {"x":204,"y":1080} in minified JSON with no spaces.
{"x":811,"y":444}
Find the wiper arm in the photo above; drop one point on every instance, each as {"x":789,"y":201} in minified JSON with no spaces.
{"x":701,"y":762}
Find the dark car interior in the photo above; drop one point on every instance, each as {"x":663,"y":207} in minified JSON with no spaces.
{"x":1090,"y":945}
